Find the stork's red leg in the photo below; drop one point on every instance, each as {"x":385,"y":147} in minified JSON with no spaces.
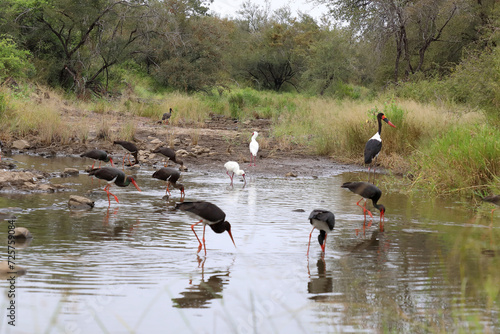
{"x":491,"y":224}
{"x":107,"y":193}
{"x":192,"y":228}
{"x":116,"y":198}
{"x":363,"y":207}
{"x":204,"y":244}
{"x":309,"y":244}
{"x":368,"y":211}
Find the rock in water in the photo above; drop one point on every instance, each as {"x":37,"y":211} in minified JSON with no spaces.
{"x":80,"y":202}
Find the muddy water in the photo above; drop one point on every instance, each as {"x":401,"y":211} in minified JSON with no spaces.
{"x":132,"y":267}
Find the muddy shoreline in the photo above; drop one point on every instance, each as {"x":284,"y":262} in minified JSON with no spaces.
{"x":203,"y":148}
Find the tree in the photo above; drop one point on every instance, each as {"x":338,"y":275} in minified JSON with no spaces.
{"x":332,"y":59}
{"x":274,"y":56}
{"x":191,"y":55}
{"x":384,"y":20}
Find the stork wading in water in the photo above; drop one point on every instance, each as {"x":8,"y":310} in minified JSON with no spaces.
{"x":113,"y":175}
{"x":209,"y":214}
{"x":367,"y":191}
{"x":171,"y":176}
{"x":324,"y":221}
{"x":97,"y":155}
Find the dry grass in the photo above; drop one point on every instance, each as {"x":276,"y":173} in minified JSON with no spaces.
{"x":104,"y":129}
{"x":195,"y":136}
{"x":264,"y":142}
{"x":170,"y":138}
{"x":38,"y":117}
{"x":127,"y":131}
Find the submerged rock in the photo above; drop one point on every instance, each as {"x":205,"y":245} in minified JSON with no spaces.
{"x":22,"y":233}
{"x":80,"y":203}
{"x":70,"y":172}
{"x":9,"y":213}
{"x":7,"y":270}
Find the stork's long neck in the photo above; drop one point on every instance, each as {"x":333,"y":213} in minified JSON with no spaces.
{"x":379,"y":125}
{"x":375,"y":200}
{"x":177,"y":185}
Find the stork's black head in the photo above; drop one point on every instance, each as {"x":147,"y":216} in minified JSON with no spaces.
{"x":381,"y":208}
{"x":221,"y":227}
{"x":321,"y":237}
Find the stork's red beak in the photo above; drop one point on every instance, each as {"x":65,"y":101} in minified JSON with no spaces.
{"x":111,"y":160}
{"x":382,"y":213}
{"x":387,"y":121}
{"x":229,"y":231}
{"x":135,"y":184}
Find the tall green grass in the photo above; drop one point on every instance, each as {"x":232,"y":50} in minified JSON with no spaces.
{"x":462,"y":160}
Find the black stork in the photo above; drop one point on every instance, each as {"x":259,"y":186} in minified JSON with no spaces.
{"x":210,"y":214}
{"x":367,"y":191}
{"x":166,"y":116}
{"x":171,"y":176}
{"x":254,"y":147}
{"x":324,"y":221}
{"x":113,"y":175}
{"x":493,"y":199}
{"x":374,"y":145}
{"x":170,"y":154}
{"x":234,"y":168}
{"x":131,"y":148}
{"x":98,"y":155}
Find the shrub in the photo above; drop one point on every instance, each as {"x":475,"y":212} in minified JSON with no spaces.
{"x":13,"y":61}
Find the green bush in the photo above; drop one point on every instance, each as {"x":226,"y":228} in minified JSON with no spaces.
{"x":242,"y":102}
{"x":13,"y":61}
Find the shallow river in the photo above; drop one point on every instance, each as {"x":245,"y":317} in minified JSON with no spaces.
{"x":133,"y":267}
